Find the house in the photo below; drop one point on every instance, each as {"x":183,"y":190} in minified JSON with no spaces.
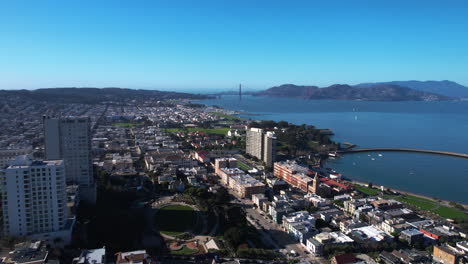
{"x":133,"y":257}
{"x":412,"y":236}
{"x":447,"y":254}
{"x":31,"y":252}
{"x":94,"y":256}
{"x":314,"y":247}
{"x":300,"y":225}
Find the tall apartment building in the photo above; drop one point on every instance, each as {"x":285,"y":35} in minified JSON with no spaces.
{"x":261,"y":145}
{"x":34,"y":197}
{"x":254,"y":142}
{"x":269,"y":148}
{"x":69,"y":139}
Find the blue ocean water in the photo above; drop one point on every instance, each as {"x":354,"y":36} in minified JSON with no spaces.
{"x":426,"y":125}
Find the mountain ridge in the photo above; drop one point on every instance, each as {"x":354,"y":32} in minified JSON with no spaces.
{"x":445,"y":87}
{"x":381,"y":92}
{"x":91,"y":95}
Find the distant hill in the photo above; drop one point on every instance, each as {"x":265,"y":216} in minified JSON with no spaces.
{"x":379,"y":92}
{"x":447,"y":88}
{"x":95,"y":95}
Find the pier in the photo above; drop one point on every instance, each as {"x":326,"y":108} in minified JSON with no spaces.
{"x":453,"y":154}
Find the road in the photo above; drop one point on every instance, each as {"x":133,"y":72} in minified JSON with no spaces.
{"x":273,"y":233}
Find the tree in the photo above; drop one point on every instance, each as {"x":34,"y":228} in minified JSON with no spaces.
{"x":234,"y":236}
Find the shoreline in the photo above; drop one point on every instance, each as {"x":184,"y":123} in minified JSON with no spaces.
{"x":441,"y":201}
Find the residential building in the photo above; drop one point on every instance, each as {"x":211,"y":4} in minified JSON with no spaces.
{"x":222,"y":163}
{"x":30,"y":252}
{"x":91,"y":256}
{"x":314,"y":247}
{"x":133,"y":257}
{"x":69,"y":139}
{"x":35,"y":199}
{"x":269,"y":148}
{"x":244,"y":185}
{"x":300,"y":225}
{"x":412,"y":236}
{"x":447,"y":254}
{"x":254,"y":142}
{"x":262,"y":145}
{"x":293,"y":174}
{"x":259,"y":199}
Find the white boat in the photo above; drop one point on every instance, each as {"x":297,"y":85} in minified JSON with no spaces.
{"x":380,"y":155}
{"x":372,"y":159}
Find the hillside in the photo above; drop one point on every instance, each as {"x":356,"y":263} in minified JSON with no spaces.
{"x":380,"y":92}
{"x":447,"y":88}
{"x":95,"y":95}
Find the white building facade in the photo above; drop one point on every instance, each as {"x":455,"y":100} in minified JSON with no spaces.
{"x":34,"y":197}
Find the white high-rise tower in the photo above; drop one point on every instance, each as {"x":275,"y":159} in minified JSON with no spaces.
{"x":34,"y":197}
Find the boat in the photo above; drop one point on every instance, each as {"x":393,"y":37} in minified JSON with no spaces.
{"x":372,"y":159}
{"x":333,"y":154}
{"x":380,"y":155}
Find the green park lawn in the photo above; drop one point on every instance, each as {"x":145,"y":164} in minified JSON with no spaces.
{"x":230,"y":117}
{"x":243,"y":165}
{"x":218,"y":131}
{"x":433,"y":206}
{"x":452,"y":213}
{"x":419,"y":202}
{"x":175,"y":219}
{"x":366,"y":190}
{"x":184,"y":251}
{"x":123,"y":124}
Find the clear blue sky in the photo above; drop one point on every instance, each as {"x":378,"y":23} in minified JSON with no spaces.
{"x":196,"y":44}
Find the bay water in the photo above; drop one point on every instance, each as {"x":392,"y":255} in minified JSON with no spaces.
{"x":439,"y":126}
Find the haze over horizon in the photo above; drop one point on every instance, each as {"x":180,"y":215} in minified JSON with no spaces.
{"x":188,"y":45}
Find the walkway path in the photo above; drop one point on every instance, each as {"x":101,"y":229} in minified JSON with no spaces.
{"x":454,"y":154}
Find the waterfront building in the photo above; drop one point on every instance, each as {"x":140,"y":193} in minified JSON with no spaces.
{"x":293,"y":174}
{"x":34,"y":199}
{"x":69,"y":139}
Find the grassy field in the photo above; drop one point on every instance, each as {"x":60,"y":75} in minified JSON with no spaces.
{"x":419,"y":202}
{"x":175,"y":219}
{"x":367,"y":190}
{"x":184,"y":251}
{"x":217,"y":131}
{"x":230,"y":117}
{"x":448,"y":212}
{"x":123,"y":124}
{"x":243,"y":166}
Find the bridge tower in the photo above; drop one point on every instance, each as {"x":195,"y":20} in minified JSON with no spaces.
{"x":240,"y":92}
